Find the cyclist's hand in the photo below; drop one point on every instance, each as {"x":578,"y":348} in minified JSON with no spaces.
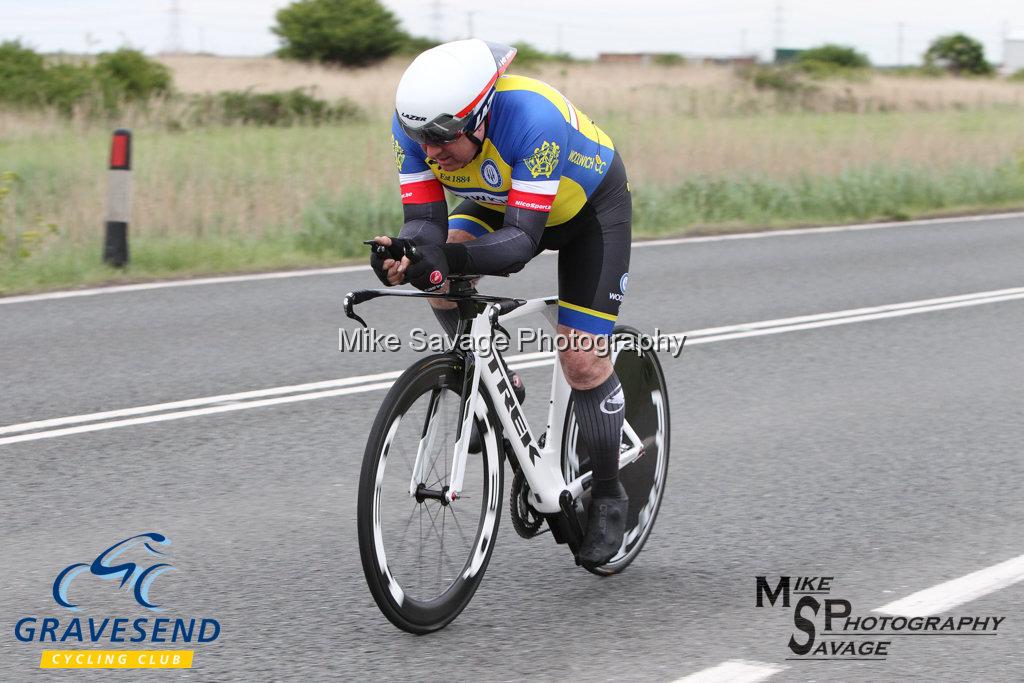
{"x":388,"y":270}
{"x":429,"y":269}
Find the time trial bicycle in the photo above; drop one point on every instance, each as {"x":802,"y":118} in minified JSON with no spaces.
{"x":428,"y":507}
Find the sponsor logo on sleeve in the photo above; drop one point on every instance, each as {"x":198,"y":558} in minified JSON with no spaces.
{"x":544,"y":160}
{"x":399,"y":154}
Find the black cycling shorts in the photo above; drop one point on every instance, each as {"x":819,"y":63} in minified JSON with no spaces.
{"x":593,"y":250}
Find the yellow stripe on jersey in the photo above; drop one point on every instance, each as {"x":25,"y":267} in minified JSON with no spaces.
{"x":586,"y":126}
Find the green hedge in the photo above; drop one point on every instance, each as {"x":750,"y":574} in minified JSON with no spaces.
{"x":28,"y":80}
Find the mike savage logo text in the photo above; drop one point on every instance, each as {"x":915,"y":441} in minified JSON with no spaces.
{"x":369,"y":340}
{"x":826,"y":627}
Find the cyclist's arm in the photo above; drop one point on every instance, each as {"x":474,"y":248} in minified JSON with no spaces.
{"x":505,"y":250}
{"x":425,"y":223}
{"x":539,"y":150}
{"x":424,"y":209}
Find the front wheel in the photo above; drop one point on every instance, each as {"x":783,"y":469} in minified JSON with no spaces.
{"x":423,"y":558}
{"x":643,"y":385}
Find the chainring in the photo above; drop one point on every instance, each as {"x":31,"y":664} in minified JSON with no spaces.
{"x":526,"y":520}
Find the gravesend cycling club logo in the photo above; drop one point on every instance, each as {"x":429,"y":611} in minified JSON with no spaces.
{"x":138,"y":579}
{"x":846,"y":636}
{"x":491,"y":174}
{"x":132,"y":567}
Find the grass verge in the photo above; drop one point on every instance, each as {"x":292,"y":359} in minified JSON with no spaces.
{"x":331,"y":231}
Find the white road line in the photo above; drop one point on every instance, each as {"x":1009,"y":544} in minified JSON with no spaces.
{"x":733,"y":671}
{"x":950,"y":594}
{"x":639,"y":244}
{"x":364,"y":383}
{"x":846,"y":320}
{"x":195,"y":402}
{"x":213,"y":410}
{"x":921,"y":222}
{"x":143,"y":286}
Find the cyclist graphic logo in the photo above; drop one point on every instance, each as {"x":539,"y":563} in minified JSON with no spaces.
{"x":544,"y":160}
{"x":137,"y":578}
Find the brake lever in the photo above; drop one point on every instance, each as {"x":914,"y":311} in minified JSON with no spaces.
{"x":347,"y":304}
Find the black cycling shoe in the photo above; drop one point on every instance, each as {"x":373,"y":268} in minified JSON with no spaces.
{"x":606,"y":525}
{"x":520,"y":389}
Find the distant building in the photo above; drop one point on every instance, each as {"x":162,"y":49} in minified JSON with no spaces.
{"x":786,"y":54}
{"x":625,"y":57}
{"x":1013,"y":53}
{"x":668,"y":58}
{"x":738,"y":60}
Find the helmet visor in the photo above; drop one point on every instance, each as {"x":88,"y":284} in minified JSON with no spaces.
{"x":440,"y":131}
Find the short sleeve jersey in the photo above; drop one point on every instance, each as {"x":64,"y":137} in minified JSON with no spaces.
{"x":540,"y":152}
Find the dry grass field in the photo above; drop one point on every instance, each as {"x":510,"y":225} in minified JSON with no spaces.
{"x":704,"y":147}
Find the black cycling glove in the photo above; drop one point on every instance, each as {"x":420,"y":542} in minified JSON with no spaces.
{"x":380,"y":253}
{"x":429,"y":268}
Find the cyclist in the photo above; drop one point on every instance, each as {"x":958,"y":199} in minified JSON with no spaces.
{"x":534,"y":173}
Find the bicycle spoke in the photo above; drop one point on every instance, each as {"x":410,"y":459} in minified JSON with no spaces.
{"x":418,"y":548}
{"x":450,"y":560}
{"x":459,"y":526}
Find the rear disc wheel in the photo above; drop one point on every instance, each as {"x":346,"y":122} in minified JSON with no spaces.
{"x":643,"y":385}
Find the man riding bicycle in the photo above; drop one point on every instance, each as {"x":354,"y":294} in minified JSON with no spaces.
{"x":534,"y":173}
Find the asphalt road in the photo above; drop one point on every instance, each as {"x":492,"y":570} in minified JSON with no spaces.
{"x":884,"y":453}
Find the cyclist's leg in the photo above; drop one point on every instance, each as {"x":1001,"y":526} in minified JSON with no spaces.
{"x":592,"y":274}
{"x":468,"y":221}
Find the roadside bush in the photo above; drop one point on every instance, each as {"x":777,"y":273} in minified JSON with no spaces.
{"x":346,"y":32}
{"x":529,"y":55}
{"x":21,"y":73}
{"x":832,"y":55}
{"x":669,"y":59}
{"x":283,"y":108}
{"x":1017,"y":75}
{"x":26,"y":80}
{"x":66,"y":85}
{"x":833,"y":61}
{"x":413,"y":45}
{"x":783,"y":80}
{"x":132,"y":76}
{"x":960,"y":54}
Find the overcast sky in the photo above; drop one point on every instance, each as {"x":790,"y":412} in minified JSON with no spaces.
{"x":584,"y":28}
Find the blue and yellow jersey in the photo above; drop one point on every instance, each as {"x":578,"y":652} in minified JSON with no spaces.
{"x":540,"y":152}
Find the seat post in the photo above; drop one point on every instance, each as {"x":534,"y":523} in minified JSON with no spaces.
{"x":468,"y":309}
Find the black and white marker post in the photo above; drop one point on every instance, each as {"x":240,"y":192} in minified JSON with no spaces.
{"x":119,"y":199}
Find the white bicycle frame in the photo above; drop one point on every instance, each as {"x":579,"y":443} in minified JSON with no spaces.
{"x":542,"y":466}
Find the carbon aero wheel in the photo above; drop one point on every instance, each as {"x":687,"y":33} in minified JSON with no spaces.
{"x":643,"y":385}
{"x":424,"y":559}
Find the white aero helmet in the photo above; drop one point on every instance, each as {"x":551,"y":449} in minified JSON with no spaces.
{"x":448,"y":89}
